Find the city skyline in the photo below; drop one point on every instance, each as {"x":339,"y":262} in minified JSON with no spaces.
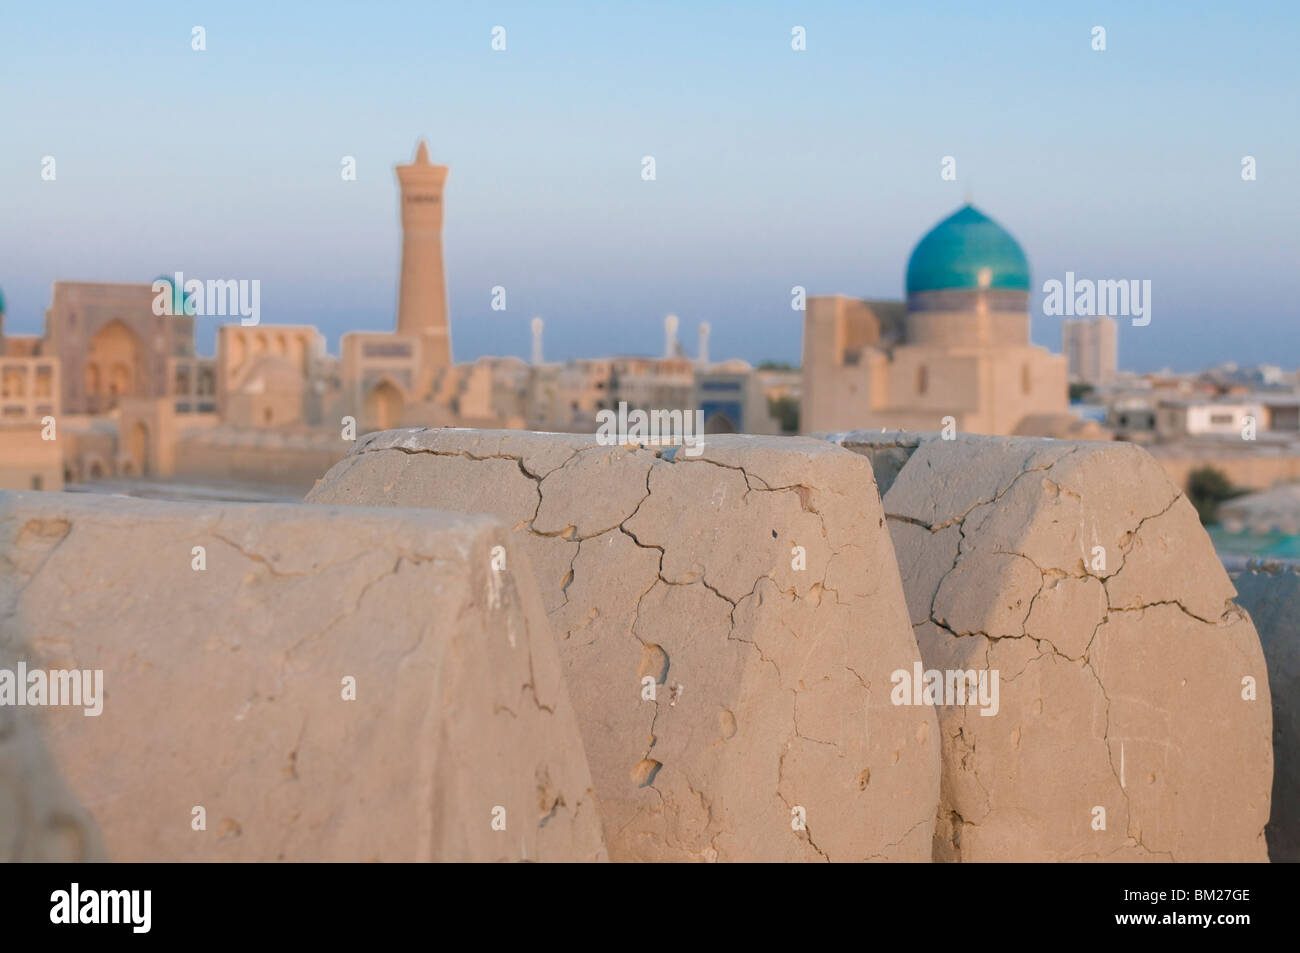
{"x":774,"y":167}
{"x":647,"y":432}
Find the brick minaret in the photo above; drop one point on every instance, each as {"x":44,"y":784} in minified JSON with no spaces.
{"x":422,"y":297}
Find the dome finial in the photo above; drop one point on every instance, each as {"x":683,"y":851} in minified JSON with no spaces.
{"x":421,"y":153}
{"x":970,"y":194}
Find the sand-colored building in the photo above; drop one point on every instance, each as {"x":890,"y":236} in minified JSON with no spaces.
{"x":1091,"y":348}
{"x":271,"y":376}
{"x":957,"y":347}
{"x":111,"y":345}
{"x":30,"y":458}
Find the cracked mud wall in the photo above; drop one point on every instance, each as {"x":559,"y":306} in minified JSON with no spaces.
{"x":1271,"y":594}
{"x":771,"y":682}
{"x":223,"y":687}
{"x":1081,"y":574}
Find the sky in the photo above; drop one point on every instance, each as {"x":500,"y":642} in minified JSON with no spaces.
{"x":774,"y":167}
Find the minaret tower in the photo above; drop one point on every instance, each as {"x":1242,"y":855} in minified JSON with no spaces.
{"x":670,"y":336}
{"x":422,"y":296}
{"x":538,"y":324}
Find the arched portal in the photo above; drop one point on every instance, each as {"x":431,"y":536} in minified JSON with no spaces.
{"x":112,"y":366}
{"x":383,"y":406}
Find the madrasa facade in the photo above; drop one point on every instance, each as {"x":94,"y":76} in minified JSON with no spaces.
{"x":955,"y":354}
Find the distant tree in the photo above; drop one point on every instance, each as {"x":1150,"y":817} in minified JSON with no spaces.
{"x":786,"y":410}
{"x":776,"y":366}
{"x":1207,"y":487}
{"x":1079,"y":391}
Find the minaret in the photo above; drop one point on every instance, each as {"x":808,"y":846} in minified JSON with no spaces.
{"x":670,"y":336}
{"x":703,"y":356}
{"x":422,"y":296}
{"x":537,"y":340}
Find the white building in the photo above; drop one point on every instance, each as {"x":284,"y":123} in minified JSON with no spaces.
{"x":1205,"y":418}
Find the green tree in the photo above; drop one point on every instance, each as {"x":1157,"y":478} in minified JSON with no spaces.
{"x":786,"y":410}
{"x":1207,"y":487}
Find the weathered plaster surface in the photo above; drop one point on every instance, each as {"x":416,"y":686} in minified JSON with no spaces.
{"x":771,"y":682}
{"x":1121,"y":684}
{"x":224,"y":687}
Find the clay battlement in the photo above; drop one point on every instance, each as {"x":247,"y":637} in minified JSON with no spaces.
{"x":625,"y":651}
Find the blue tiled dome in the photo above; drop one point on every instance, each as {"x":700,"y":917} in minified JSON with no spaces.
{"x":967,"y":251}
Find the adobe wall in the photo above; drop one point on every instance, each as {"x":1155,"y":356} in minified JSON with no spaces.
{"x":226,"y":683}
{"x":728,"y":623}
{"x":27,"y":460}
{"x":1129,"y":681}
{"x":253,"y":456}
{"x":1251,"y":470}
{"x":1271,"y":595}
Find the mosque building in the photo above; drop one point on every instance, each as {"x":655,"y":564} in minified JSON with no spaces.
{"x":957,"y":347}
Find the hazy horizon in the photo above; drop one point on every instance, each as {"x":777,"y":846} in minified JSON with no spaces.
{"x":775,"y":168}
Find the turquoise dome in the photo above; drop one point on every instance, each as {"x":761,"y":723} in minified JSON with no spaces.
{"x":967,"y":251}
{"x":182,"y":303}
{"x":2,"y":302}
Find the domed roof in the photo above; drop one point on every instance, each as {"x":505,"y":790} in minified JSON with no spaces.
{"x":182,"y":301}
{"x":2,"y":302}
{"x":967,"y":251}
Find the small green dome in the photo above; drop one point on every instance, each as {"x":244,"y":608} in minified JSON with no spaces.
{"x":2,"y":302}
{"x":967,"y":251}
{"x":182,"y":301}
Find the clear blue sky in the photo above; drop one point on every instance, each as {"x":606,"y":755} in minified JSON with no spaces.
{"x":775,"y":167}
